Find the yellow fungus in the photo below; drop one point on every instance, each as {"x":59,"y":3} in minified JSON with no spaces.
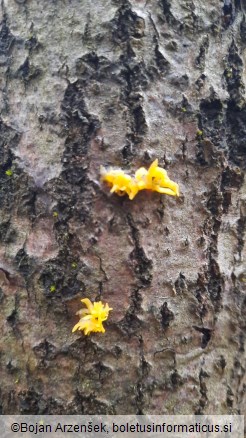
{"x":52,"y":288}
{"x":92,"y":317}
{"x":155,"y":179}
{"x":121,"y":182}
{"x":9,"y":172}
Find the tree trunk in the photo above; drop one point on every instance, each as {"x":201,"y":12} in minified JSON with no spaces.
{"x":119,"y":83}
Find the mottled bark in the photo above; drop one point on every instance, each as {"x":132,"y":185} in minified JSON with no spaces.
{"x":87,"y":83}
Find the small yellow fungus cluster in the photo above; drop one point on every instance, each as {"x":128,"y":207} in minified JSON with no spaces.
{"x":155,"y":179}
{"x":92,"y":318}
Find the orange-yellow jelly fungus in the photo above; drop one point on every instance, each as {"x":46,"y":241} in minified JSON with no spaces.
{"x":92,"y":317}
{"x":155,"y":179}
{"x":121,"y":182}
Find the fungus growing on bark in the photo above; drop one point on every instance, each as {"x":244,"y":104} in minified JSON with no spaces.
{"x":92,"y":317}
{"x":154,"y":179}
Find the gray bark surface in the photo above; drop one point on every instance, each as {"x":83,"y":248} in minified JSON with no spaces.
{"x":120,"y":83}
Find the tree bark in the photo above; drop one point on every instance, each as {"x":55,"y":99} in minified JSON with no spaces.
{"x":120,"y":83}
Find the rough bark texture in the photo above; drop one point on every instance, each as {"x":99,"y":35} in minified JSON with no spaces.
{"x":86,"y":83}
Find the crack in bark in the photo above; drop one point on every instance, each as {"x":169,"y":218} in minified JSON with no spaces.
{"x":143,"y":265}
{"x":203,"y":375}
